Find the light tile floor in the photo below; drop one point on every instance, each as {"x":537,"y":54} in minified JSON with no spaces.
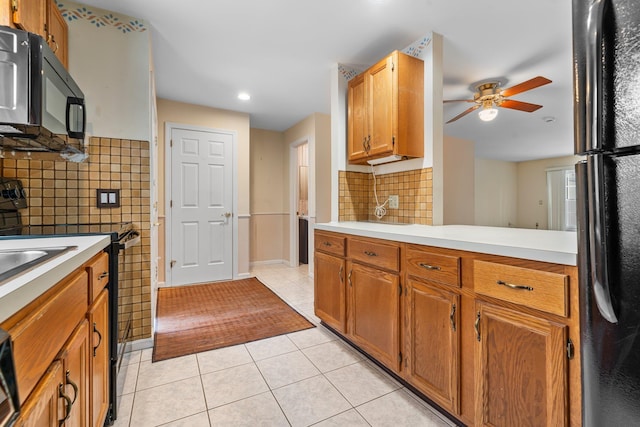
{"x":304,"y":378}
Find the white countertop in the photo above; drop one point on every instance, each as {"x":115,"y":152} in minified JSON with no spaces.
{"x":560,"y":247}
{"x":20,"y":291}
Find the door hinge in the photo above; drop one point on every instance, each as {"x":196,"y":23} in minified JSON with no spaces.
{"x":570,"y":349}
{"x":14,"y":5}
{"x":393,"y":66}
{"x":172,"y":263}
{"x":400,"y":358}
{"x":170,"y":203}
{"x":400,"y":289}
{"x":393,"y":141}
{"x":171,"y":143}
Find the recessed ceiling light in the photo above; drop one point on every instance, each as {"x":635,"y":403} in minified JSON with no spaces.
{"x":244,"y":96}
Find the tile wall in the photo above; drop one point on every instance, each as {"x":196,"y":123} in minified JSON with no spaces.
{"x":62,"y":192}
{"x":414,"y":188}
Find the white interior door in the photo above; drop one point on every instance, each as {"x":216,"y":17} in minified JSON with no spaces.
{"x":201,"y":206}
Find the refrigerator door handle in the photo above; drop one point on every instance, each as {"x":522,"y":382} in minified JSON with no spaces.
{"x":597,"y":240}
{"x":593,"y":76}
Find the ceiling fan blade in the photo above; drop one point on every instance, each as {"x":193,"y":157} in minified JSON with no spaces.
{"x":458,"y":100}
{"x":519,"y":105}
{"x":464,"y":113}
{"x":524,"y":86}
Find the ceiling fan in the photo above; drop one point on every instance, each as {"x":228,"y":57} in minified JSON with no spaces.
{"x":488,"y":95}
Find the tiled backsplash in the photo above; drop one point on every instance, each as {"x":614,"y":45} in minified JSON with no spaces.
{"x":415,"y":190}
{"x":60,"y":192}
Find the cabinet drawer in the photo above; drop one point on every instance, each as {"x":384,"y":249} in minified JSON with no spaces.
{"x":377,"y":254}
{"x":98,"y":269}
{"x":46,"y":328}
{"x":532,"y":288}
{"x":431,"y":266}
{"x":330,"y":243}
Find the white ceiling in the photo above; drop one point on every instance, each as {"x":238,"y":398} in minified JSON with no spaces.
{"x":282,"y":51}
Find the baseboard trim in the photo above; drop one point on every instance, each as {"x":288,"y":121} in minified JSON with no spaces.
{"x":269,"y":262}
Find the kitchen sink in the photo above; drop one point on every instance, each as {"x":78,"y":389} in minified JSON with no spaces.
{"x":14,"y":262}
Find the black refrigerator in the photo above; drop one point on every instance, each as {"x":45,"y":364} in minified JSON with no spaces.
{"x":606,"y":45}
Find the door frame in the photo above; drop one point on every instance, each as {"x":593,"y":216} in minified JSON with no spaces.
{"x":293,"y":200}
{"x":168,"y":130}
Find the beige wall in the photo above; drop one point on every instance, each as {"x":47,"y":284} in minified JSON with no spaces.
{"x":268,"y":212}
{"x":496,"y":186}
{"x":197,"y":115}
{"x":323,"y":168}
{"x":458,"y":181}
{"x":532,"y":190}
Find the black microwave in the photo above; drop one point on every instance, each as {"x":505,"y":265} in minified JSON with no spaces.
{"x":39,"y":101}
{"x":9,"y":403}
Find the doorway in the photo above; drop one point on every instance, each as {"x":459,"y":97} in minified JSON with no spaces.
{"x":200,"y":219}
{"x":301,"y":201}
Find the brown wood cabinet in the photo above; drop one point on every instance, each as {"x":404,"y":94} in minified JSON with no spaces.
{"x":40,"y":17}
{"x":521,"y":372}
{"x":57,"y":33}
{"x":374,"y":312}
{"x":433,"y":342}
{"x":45,"y":408}
{"x":61,"y":353}
{"x":75,"y":362}
{"x":98,"y":316}
{"x":385,"y":110}
{"x":492,"y":340}
{"x":329,"y":288}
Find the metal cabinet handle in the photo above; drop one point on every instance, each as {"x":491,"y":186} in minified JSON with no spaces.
{"x":73,"y":385}
{"x":340,"y":274}
{"x":95,"y":330}
{"x":429,"y":267}
{"x":452,"y":317}
{"x":369,"y":253}
{"x":349,"y":278}
{"x":512,"y":286}
{"x":103,"y":275}
{"x":68,"y":402}
{"x":477,"y":326}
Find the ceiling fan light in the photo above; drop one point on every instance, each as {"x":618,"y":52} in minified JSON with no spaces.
{"x":488,"y":114}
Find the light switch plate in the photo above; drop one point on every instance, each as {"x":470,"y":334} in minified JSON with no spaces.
{"x":393,"y":201}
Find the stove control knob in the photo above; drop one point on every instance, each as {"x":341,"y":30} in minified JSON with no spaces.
{"x":12,"y":194}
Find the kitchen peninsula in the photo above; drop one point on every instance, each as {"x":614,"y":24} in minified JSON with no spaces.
{"x":482,"y":321}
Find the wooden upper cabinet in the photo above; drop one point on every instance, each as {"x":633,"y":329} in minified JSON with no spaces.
{"x":40,"y":17}
{"x":30,"y":15}
{"x":386,"y":110}
{"x":521,"y":369}
{"x":57,"y":33}
{"x":358,"y":127}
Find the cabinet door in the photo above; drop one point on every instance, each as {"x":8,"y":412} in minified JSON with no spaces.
{"x":99,"y":359}
{"x":433,"y":347}
{"x":44,"y":407}
{"x":57,"y":32}
{"x":75,"y":362}
{"x":521,"y":369}
{"x":329,"y":301}
{"x":374,"y":308}
{"x":381,"y":104}
{"x":357,"y":124}
{"x":31,"y":15}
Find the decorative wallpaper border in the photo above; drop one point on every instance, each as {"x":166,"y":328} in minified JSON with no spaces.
{"x":126,"y":24}
{"x":416,"y":48}
{"x":347,"y":71}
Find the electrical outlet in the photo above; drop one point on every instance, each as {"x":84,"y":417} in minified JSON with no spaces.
{"x":393,"y":201}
